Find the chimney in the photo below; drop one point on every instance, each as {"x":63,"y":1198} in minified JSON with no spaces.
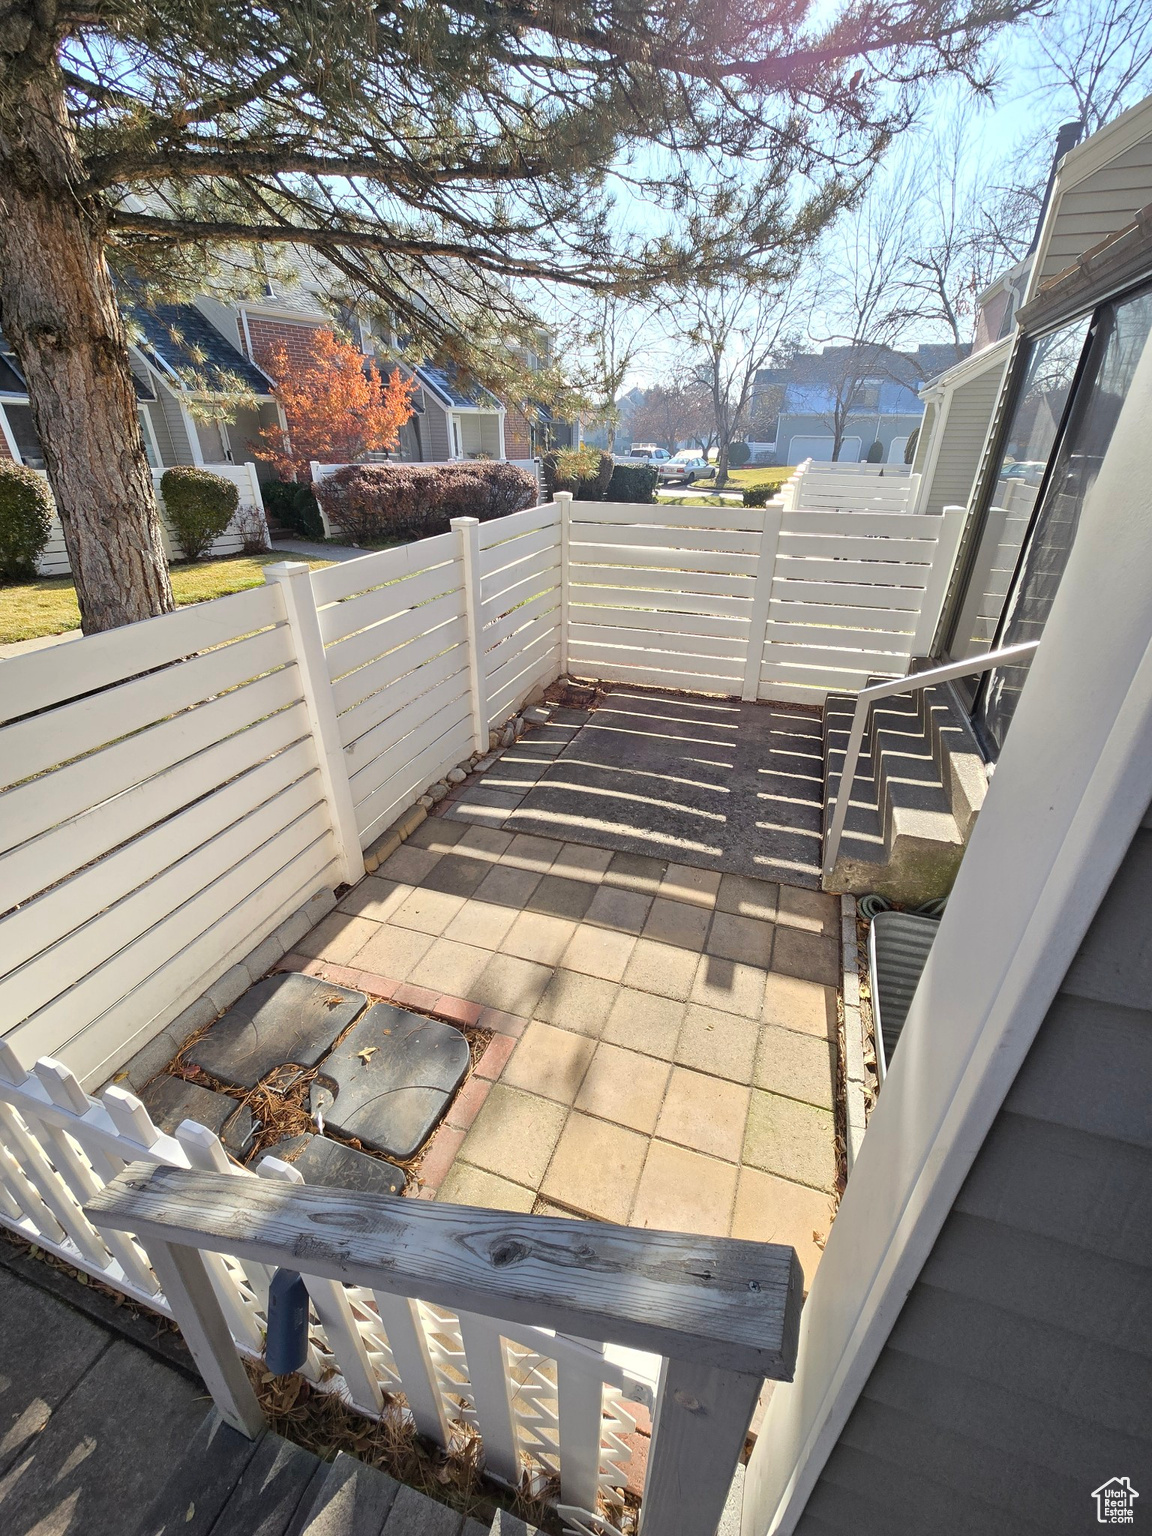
{"x":1067,"y":137}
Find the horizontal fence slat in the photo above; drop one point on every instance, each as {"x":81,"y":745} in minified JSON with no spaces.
{"x":382,"y":603}
{"x":668,"y":515}
{"x":888,"y":574}
{"x":891,"y":621}
{"x":656,"y":640}
{"x":839,"y":546}
{"x":499,"y":632}
{"x":43,"y":678}
{"x":897,"y":525}
{"x":623,"y":577}
{"x":40,"y":742}
{"x":537,"y":575}
{"x":437,"y":746}
{"x":847,"y":594}
{"x":821,"y":636}
{"x":69,"y":792}
{"x":349,"y":577}
{"x":651,"y":677}
{"x":643,"y":620}
{"x":45,"y":921}
{"x":687,"y":560}
{"x":415,"y":726}
{"x":652,"y":600}
{"x":500,"y":528}
{"x":701,"y":541}
{"x":544,"y":639}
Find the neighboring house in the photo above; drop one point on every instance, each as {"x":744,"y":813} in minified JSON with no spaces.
{"x":877,"y":389}
{"x":187,"y":378}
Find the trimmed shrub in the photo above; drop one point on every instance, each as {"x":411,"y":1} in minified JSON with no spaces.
{"x":199,"y":505}
{"x":632,"y":482}
{"x":759,"y":495}
{"x":253,"y":530}
{"x":586,"y":472}
{"x":738,"y":455}
{"x":371,"y":503}
{"x":875,"y":454}
{"x":293,"y":506}
{"x":26,"y":508}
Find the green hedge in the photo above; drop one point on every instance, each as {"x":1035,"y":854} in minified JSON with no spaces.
{"x":632,"y":482}
{"x":738,"y":455}
{"x":585,"y":472}
{"x":759,"y":495}
{"x":26,"y":508}
{"x":199,"y":506}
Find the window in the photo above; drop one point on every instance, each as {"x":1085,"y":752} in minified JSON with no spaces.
{"x":1026,"y":445}
{"x":1118,"y":338}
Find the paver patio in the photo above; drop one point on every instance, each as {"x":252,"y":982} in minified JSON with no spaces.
{"x":664,"y":1036}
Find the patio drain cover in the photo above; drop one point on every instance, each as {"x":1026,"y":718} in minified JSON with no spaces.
{"x":284,"y":1018}
{"x":391,"y":1079}
{"x":326,"y":1162}
{"x":169,"y":1100}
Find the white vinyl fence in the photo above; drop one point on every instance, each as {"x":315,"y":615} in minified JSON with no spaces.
{"x":767,"y":603}
{"x":54,"y":559}
{"x":838,"y":487}
{"x":544,"y":1405}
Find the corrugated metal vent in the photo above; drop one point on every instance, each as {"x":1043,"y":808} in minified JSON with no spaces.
{"x":898,"y":945}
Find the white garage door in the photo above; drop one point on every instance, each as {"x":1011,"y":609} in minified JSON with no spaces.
{"x":820,"y":449}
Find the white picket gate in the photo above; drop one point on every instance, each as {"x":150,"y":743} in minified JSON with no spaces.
{"x":545,"y":1406}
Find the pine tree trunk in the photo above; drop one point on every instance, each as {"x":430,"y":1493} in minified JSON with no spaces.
{"x":59,"y":312}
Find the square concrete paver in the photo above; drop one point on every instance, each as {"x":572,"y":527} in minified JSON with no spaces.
{"x":512,"y":985}
{"x":549,"y":1061}
{"x":675,"y":922}
{"x":797,"y":1066}
{"x":483,"y":842}
{"x":578,"y":1002}
{"x":645,"y":1022}
{"x":393,"y":951}
{"x":729,"y":986}
{"x":661,"y":968}
{"x":743,"y":896}
{"x":774,"y":1210}
{"x":809,"y":956}
{"x":458,"y":874}
{"x":683,"y":1191}
{"x":792,"y":1139}
{"x":436,"y":834}
{"x":514,"y":1135}
{"x":482,"y":923}
{"x":409,"y":864}
{"x":636,"y":872}
{"x":598,"y":952}
{"x":450,"y":967}
{"x":698,"y":887}
{"x":536,"y":936}
{"x":704,"y":1113}
{"x":507,"y":886}
{"x":624,"y":1087}
{"x":813,"y":911}
{"x":557,"y":896}
{"x":426,"y":911}
{"x":624,"y":911}
{"x":337,"y":938}
{"x":746,"y":940}
{"x":578,"y":861}
{"x":595,"y":1168}
{"x":466,"y":1185}
{"x":806,"y":1006}
{"x":723,"y":1044}
{"x":537,"y":854}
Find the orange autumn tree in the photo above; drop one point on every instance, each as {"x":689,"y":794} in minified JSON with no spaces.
{"x":338,"y":406}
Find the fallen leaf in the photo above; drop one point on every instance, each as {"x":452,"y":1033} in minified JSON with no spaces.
{"x":367,"y":1053}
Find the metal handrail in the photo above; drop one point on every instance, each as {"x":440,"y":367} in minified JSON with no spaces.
{"x":909,"y":684}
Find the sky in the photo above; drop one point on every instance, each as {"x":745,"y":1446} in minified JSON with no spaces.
{"x":1000,"y":131}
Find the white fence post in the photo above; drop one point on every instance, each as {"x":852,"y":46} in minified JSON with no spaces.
{"x":936,"y":588}
{"x":314,"y":470}
{"x":761,"y":601}
{"x":294,"y":580}
{"x":467,"y":530}
{"x":564,"y":503}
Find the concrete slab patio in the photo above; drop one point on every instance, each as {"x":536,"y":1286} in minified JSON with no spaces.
{"x":663,"y":1048}
{"x":713,"y":783}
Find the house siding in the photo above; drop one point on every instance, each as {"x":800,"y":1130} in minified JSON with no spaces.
{"x":517,"y":434}
{"x":965,"y":432}
{"x":435,"y":431}
{"x":1096,"y":207}
{"x":271,"y":336}
{"x":1015,"y":1380}
{"x":171,"y":431}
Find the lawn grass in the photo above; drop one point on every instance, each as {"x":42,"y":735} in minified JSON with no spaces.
{"x":738,"y":480}
{"x":48,"y":606}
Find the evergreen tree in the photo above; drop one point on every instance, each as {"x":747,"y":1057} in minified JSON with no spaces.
{"x":439,"y":156}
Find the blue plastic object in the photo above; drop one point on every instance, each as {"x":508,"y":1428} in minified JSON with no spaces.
{"x":287,"y":1344}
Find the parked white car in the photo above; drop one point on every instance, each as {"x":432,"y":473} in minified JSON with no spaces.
{"x":643,"y":453}
{"x":687,"y":466}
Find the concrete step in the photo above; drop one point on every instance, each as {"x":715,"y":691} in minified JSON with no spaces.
{"x":919,"y":784}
